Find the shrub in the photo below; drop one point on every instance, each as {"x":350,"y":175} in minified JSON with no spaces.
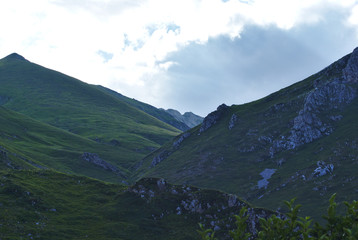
{"x":293,"y":227}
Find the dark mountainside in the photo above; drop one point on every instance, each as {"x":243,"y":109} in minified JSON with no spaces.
{"x":298,"y":142}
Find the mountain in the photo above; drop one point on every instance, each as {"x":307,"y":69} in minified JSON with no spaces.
{"x":189,"y":118}
{"x":50,"y":205}
{"x":181,"y":122}
{"x":26,"y":143}
{"x":81,"y":109}
{"x":298,"y":142}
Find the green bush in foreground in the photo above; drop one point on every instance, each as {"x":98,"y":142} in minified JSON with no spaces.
{"x":294,"y":227}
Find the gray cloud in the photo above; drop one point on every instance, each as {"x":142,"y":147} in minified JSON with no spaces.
{"x":262,"y":61}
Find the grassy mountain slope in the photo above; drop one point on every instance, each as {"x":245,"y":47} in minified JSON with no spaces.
{"x":50,"y":205}
{"x":300,"y":141}
{"x":80,"y":108}
{"x":26,"y":143}
{"x":155,"y":112}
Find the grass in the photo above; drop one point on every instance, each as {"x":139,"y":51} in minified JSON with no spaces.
{"x":29,"y":143}
{"x":45,"y":204}
{"x":221,"y":158}
{"x":82,"y":109}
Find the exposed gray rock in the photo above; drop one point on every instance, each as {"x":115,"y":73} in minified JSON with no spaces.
{"x":307,"y":125}
{"x":280,"y":162}
{"x":350,"y":72}
{"x":233,"y":121}
{"x":247,"y":149}
{"x":232,"y":200}
{"x":160,"y":157}
{"x":264,"y":140}
{"x":212,"y":118}
{"x":323,"y":169}
{"x":336,"y":118}
{"x":182,"y":137}
{"x":252,"y":132}
{"x":266,"y":174}
{"x":161,"y":184}
{"x":96,"y":160}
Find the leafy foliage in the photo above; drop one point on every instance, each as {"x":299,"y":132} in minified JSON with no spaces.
{"x":293,"y":227}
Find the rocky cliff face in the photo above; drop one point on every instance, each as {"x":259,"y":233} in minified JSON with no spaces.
{"x":212,"y":118}
{"x":314,"y":119}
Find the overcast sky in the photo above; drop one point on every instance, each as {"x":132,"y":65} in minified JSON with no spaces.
{"x":189,"y":55}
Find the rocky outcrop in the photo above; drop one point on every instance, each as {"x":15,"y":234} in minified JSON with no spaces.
{"x":323,"y":169}
{"x":159,"y":158}
{"x":181,"y":138}
{"x":233,"y":121}
{"x":212,"y":118}
{"x":215,"y":210}
{"x":327,"y":95}
{"x":350,"y":72}
{"x":266,"y":175}
{"x":307,"y":125}
{"x":96,"y":160}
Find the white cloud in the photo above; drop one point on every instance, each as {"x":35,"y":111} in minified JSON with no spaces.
{"x":68,"y":35}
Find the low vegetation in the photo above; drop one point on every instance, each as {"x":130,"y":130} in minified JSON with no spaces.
{"x":293,"y":227}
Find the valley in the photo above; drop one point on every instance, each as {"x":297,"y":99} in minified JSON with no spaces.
{"x":81,"y":161}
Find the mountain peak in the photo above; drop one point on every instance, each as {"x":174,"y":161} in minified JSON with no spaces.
{"x":15,"y":56}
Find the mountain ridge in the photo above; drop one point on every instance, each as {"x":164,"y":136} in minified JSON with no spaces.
{"x":301,"y":137}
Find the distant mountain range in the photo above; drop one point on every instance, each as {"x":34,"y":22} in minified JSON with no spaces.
{"x":172,"y":117}
{"x":298,"y":142}
{"x":189,"y":118}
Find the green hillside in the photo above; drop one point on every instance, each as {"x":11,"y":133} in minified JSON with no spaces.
{"x":79,"y":108}
{"x":300,"y":141}
{"x":26,"y":144}
{"x":51,"y":205}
